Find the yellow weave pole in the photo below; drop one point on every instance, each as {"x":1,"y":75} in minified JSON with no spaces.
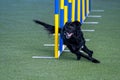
{"x":61,"y":4}
{"x":83,"y":10}
{"x":69,"y":1}
{"x":56,"y":22}
{"x":65,"y":13}
{"x":63,"y":9}
{"x":73,"y":10}
{"x":78,"y":10}
{"x":87,"y":6}
{"x":56,"y":35}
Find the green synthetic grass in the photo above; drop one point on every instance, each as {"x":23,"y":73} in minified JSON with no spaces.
{"x":21,"y":38}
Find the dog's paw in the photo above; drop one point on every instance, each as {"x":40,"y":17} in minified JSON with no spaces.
{"x":95,"y":60}
{"x":78,"y":57}
{"x":91,"y":53}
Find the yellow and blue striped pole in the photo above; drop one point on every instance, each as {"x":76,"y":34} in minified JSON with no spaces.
{"x":56,"y":12}
{"x":69,"y":10}
{"x":62,"y":21}
{"x":73,"y":10}
{"x":65,"y":11}
{"x":81,"y":19}
{"x":87,"y":7}
{"x":83,"y":10}
{"x":78,"y":11}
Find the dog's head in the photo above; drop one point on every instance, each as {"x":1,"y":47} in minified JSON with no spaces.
{"x":71,"y":29}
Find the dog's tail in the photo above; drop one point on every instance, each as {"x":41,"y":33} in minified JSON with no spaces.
{"x":48,"y":27}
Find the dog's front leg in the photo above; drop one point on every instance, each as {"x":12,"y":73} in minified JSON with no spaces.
{"x":86,"y":50}
{"x":78,"y":54}
{"x":75,"y":51}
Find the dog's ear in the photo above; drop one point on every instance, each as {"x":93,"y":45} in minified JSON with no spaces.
{"x":67,"y":23}
{"x":78,"y":25}
{"x":65,"y":26}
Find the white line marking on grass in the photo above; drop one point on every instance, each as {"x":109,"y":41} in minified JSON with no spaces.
{"x":95,"y":16}
{"x":49,"y":45}
{"x":69,"y":51}
{"x":97,"y":10}
{"x":66,"y":51}
{"x":87,"y":39}
{"x":90,"y":22}
{"x":42,"y":57}
{"x":89,"y":30}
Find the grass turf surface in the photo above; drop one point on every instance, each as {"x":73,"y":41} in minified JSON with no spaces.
{"x":21,"y":38}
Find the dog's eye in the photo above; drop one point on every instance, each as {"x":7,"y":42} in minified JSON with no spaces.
{"x":64,"y":33}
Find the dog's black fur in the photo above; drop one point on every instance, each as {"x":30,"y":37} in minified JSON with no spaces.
{"x":73,"y":38}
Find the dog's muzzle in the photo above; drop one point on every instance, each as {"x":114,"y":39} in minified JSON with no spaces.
{"x":68,"y":35}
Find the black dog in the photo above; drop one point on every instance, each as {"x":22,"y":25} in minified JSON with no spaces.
{"x":73,"y":38}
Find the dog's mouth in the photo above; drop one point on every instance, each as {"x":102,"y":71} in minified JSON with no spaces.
{"x":68,"y":35}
